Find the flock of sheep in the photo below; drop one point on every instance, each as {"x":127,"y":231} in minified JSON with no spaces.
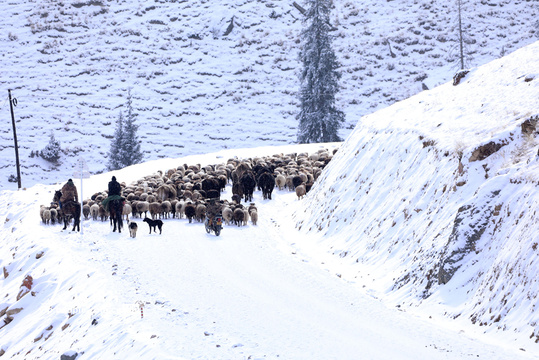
{"x":187,"y":191}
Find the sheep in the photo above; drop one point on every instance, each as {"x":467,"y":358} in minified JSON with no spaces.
{"x":166,"y":208}
{"x":297,"y":180}
{"x":54,"y":215}
{"x":190,"y":211}
{"x":180,"y":208}
{"x":254,"y":217}
{"x":94,"y":211}
{"x":102,"y":212}
{"x":127,"y":209}
{"x":200,"y":212}
{"x":86,"y":211}
{"x":252,"y":207}
{"x":238,"y":216}
{"x":143,"y":207}
{"x":266,"y":181}
{"x":227,"y":214}
{"x":42,"y":208}
{"x":300,"y":191}
{"x":155,"y":210}
{"x":165,"y":192}
{"x":46,"y":216}
{"x":248,"y":184}
{"x":188,"y":194}
{"x":245,"y":217}
{"x":280,"y":180}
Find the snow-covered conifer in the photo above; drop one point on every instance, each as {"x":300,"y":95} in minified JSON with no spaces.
{"x":115,"y":153}
{"x":51,"y":152}
{"x":319,"y":119}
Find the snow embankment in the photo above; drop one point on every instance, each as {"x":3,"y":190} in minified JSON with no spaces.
{"x":432,"y":200}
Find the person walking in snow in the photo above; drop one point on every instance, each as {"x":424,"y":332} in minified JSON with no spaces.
{"x":69,"y":193}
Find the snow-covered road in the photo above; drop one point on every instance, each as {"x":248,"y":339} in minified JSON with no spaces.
{"x":249,"y":294}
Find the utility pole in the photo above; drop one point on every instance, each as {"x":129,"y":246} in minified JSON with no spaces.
{"x":11,"y":103}
{"x":461,"y":36}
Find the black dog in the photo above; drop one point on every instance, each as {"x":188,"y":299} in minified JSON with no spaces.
{"x":153,"y":223}
{"x":133,"y":229}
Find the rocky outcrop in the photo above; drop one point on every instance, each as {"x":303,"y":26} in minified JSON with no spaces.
{"x":470,"y":223}
{"x":529,"y":127}
{"x":484,"y":151}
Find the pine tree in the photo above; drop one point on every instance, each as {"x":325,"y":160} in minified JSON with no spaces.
{"x":131,"y":153}
{"x":51,"y":152}
{"x":319,"y":119}
{"x":115,"y":153}
{"x":125,"y":145}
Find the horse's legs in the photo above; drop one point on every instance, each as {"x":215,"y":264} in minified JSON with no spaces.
{"x":76,"y":224}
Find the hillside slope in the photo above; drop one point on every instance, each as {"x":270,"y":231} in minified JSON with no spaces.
{"x":436,"y":197}
{"x":195,"y":89}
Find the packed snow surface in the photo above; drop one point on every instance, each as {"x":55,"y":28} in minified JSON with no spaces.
{"x":253,"y":292}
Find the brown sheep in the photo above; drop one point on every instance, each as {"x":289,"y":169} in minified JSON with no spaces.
{"x":166,"y":208}
{"x":200,"y":212}
{"x":300,"y":191}
{"x":86,"y":211}
{"x":239,"y":215}
{"x":143,"y":207}
{"x":155,"y":210}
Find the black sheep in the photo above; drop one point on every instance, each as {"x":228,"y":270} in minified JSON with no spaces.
{"x":266,"y":181}
{"x":190,"y":211}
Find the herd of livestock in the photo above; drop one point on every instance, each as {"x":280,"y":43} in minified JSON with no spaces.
{"x":188,"y":190}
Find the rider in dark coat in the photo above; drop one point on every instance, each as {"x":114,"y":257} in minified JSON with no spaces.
{"x":69,"y":193}
{"x":115,"y":191}
{"x":114,"y":187}
{"x":212,"y":209}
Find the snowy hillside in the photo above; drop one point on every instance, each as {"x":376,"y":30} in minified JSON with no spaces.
{"x":434,"y":200}
{"x":418,"y":241}
{"x":70,"y":64}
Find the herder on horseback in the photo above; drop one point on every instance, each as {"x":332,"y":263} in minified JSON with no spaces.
{"x":114,"y":204}
{"x":69,"y":193}
{"x":115,"y":191}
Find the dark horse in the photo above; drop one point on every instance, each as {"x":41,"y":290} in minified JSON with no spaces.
{"x":115,"y":211}
{"x":71,"y":209}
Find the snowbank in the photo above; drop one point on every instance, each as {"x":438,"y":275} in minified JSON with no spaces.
{"x":406,"y":210}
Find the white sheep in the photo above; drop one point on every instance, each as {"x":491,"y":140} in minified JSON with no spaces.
{"x":254,"y":216}
{"x":180,"y":209}
{"x":46,"y":217}
{"x":94,"y":211}
{"x":280,"y":181}
{"x":227,"y":214}
{"x":127,"y":210}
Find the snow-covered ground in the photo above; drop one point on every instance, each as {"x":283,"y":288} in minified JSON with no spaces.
{"x":254,"y":292}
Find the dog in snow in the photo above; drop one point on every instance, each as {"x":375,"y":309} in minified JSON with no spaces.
{"x":153,"y":224}
{"x":133,"y":229}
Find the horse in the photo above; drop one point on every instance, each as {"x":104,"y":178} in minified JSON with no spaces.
{"x":115,"y":211}
{"x":70,"y":209}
